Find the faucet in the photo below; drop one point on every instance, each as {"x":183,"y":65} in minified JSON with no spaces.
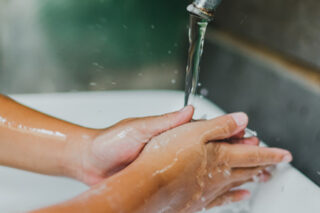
{"x":204,"y":8}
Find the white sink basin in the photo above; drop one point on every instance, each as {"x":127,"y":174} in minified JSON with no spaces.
{"x":288,"y":191}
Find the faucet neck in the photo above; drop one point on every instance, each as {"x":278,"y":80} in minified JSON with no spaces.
{"x":204,"y":8}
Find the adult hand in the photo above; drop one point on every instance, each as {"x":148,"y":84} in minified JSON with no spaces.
{"x":185,"y":169}
{"x":198,"y":166}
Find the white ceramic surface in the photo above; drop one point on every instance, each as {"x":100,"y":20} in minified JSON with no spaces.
{"x":288,"y":192}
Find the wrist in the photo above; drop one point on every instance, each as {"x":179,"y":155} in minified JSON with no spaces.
{"x":136,"y":184}
{"x":76,"y":151}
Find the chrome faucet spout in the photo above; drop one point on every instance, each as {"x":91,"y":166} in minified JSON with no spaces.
{"x":204,"y":8}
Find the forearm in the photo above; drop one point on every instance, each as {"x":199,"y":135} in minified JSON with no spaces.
{"x":127,"y":191}
{"x":34,"y":141}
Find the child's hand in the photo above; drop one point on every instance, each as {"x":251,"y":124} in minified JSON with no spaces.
{"x":110,"y":150}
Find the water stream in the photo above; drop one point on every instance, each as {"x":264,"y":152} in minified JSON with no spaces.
{"x":197,"y":31}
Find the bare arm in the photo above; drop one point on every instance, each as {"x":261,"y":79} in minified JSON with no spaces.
{"x":34,"y":141}
{"x":181,"y":170}
{"x":37,"y":142}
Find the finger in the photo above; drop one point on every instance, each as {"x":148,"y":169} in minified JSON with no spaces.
{"x":229,"y":197}
{"x":254,"y":141}
{"x":261,"y":177}
{"x":244,"y":174}
{"x":240,"y":135}
{"x":155,"y":125}
{"x":239,"y":183}
{"x":265,"y":176}
{"x":239,"y":155}
{"x":222,"y":127}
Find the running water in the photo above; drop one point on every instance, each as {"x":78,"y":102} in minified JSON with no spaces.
{"x":197,"y":31}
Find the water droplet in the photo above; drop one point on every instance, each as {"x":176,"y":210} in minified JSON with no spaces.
{"x":173,"y":81}
{"x":210,"y":175}
{"x":318,"y":172}
{"x":95,"y":64}
{"x":114,"y":83}
{"x":175,"y":45}
{"x":227,"y":173}
{"x":204,"y":92}
{"x":125,"y":26}
{"x":256,"y":179}
{"x":203,"y":199}
{"x":152,"y":26}
{"x":169,"y":52}
{"x":176,"y":72}
{"x":250,"y":133}
{"x":140,"y":74}
{"x":93,"y":84}
{"x":199,"y":84}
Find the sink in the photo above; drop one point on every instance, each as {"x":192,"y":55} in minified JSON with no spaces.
{"x":288,"y":191}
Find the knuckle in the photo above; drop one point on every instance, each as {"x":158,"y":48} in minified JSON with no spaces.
{"x":222,"y":151}
{"x":226,"y":129}
{"x":259,"y":155}
{"x":228,"y":126}
{"x":127,"y":120}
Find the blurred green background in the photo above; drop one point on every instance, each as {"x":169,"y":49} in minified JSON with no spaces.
{"x":67,"y":45}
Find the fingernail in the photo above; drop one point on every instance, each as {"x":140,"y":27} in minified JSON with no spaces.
{"x":185,"y":108}
{"x":240,"y":118}
{"x":287,"y":158}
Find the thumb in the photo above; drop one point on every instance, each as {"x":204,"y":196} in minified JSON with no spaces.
{"x":156,"y":125}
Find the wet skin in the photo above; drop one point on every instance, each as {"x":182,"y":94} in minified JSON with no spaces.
{"x":181,"y":170}
{"x":209,"y":157}
{"x":37,"y":142}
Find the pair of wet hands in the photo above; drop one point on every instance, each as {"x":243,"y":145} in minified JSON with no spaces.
{"x":198,"y":163}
